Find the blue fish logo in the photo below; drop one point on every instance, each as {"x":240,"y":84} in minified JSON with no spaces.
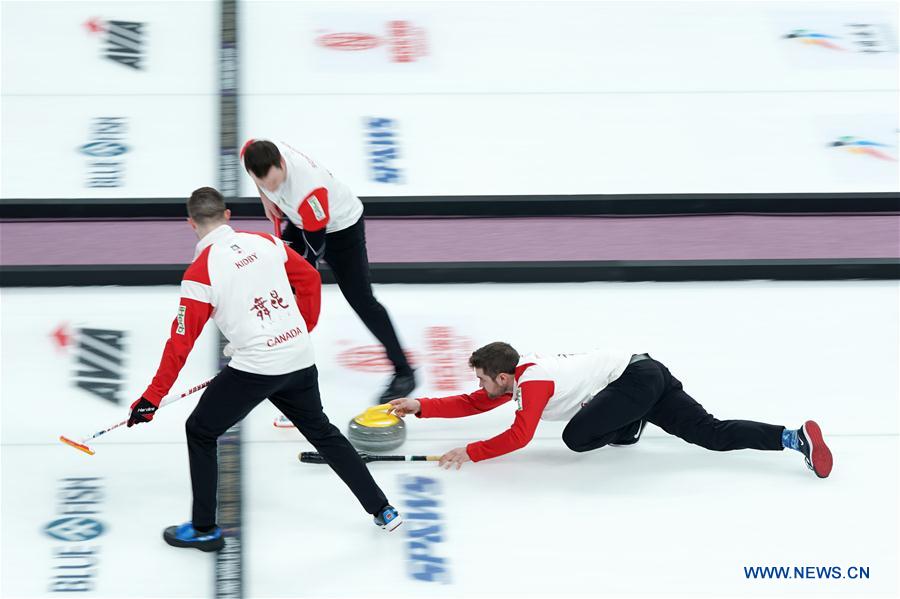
{"x":74,"y":529}
{"x":104,"y":149}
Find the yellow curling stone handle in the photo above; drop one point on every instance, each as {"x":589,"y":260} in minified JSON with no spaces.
{"x":377,"y":417}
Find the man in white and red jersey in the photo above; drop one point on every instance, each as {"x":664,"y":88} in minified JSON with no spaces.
{"x":607,"y":397}
{"x":325,"y":222}
{"x":265,"y":299}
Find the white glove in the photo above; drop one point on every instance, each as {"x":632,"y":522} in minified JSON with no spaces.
{"x":227,"y":351}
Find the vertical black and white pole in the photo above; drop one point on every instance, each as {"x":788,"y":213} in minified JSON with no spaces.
{"x":229,"y":165}
{"x":229,"y":579}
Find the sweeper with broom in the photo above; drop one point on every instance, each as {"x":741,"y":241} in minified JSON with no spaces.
{"x":243,"y":282}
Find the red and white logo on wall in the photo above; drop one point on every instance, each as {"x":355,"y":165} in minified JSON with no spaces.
{"x":371,"y":42}
{"x":443,"y":361}
{"x":405,"y":42}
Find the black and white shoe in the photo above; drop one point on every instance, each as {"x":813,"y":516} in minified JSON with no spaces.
{"x":631,"y":435}
{"x":400,"y":386}
{"x":812,"y":446}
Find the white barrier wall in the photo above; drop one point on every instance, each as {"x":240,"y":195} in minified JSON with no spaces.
{"x":581,"y":97}
{"x":565,"y":47}
{"x":571,"y":144}
{"x":105,"y":99}
{"x":465,"y":98}
{"x":108,"y":146}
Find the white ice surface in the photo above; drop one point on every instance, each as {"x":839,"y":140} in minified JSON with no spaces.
{"x":662,"y":518}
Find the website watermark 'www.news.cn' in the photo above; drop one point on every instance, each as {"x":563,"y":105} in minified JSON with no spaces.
{"x":807,"y":572}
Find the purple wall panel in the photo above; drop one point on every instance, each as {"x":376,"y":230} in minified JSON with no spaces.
{"x":488,"y":239}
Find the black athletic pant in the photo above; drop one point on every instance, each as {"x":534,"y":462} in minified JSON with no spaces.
{"x":230,"y":397}
{"x":346,"y":255}
{"x":647,"y":390}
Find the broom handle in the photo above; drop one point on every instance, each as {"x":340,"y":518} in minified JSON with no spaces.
{"x":166,"y":401}
{"x":312,"y":457}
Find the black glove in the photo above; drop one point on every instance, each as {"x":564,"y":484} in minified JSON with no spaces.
{"x":142,"y":411}
{"x":292,"y":236}
{"x":309,"y":244}
{"x":313,"y":246}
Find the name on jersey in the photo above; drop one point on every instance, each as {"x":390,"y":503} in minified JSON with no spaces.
{"x":245,"y":261}
{"x":285,"y":336}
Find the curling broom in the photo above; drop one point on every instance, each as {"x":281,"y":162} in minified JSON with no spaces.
{"x":83,"y":446}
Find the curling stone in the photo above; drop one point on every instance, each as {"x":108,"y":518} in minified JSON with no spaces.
{"x":376,"y":430}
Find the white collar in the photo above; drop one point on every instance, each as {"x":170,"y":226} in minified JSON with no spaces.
{"x":220,"y":232}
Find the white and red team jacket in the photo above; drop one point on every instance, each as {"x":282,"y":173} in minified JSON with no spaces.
{"x":244,"y":281}
{"x":311,"y":197}
{"x":548,"y":387}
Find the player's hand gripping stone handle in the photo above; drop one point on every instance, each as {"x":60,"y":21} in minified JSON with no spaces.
{"x":404,"y":406}
{"x":82,"y":445}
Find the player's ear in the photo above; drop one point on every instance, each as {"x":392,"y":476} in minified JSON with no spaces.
{"x":227,"y":214}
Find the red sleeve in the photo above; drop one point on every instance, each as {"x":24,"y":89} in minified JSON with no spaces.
{"x":535,"y":395}
{"x":194,"y":310}
{"x":307,"y":286}
{"x":457,"y":406}
{"x":314,"y":210}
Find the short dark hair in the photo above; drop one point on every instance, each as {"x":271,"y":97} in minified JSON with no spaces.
{"x":495,"y":358}
{"x":259,"y":156}
{"x":206,"y":205}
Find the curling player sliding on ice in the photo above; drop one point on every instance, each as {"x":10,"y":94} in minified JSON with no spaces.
{"x":607,"y":397}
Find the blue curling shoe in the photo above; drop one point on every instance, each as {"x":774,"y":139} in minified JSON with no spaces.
{"x":388,"y":518}
{"x":186,"y":536}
